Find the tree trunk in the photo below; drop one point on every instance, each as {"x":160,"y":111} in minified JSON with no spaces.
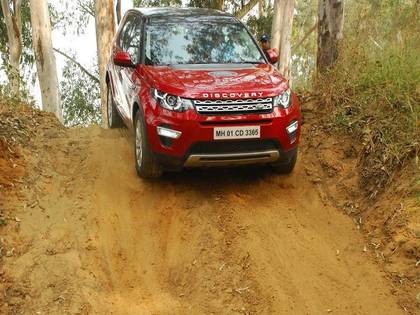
{"x":261,"y":8}
{"x":281,"y":33}
{"x":277,"y":26}
{"x":118,"y":10}
{"x":13,"y":20}
{"x":330,"y":32}
{"x":45,"y":59}
{"x":286,"y":40}
{"x":105,"y":30}
{"x":221,"y":5}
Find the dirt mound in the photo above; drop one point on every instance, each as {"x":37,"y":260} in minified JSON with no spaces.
{"x":20,"y":125}
{"x":84,"y":235}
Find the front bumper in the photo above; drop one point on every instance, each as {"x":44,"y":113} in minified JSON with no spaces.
{"x":212,"y":157}
{"x":196,"y":146}
{"x":228,"y":159}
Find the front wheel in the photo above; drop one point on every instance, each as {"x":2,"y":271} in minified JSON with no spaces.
{"x":285,"y":167}
{"x":146,"y":165}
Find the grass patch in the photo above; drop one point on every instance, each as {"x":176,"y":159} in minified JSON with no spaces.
{"x":373,"y":91}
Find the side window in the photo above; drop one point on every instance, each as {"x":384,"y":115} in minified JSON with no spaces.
{"x":134,"y":41}
{"x":125,"y":32}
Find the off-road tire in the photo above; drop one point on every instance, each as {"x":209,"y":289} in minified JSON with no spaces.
{"x":114,"y":118}
{"x":146,"y":166}
{"x":285,"y":167}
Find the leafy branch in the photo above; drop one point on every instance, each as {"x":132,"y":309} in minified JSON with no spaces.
{"x":74,"y":61}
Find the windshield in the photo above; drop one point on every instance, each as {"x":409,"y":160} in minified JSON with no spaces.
{"x":199,"y":42}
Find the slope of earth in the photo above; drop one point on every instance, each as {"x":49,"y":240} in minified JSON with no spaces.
{"x":390,"y":221}
{"x":83,"y":235}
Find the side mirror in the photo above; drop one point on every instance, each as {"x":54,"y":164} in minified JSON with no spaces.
{"x":273,"y":55}
{"x":123,"y":59}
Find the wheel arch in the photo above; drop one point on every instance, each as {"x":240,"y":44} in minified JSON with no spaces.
{"x":135,"y":109}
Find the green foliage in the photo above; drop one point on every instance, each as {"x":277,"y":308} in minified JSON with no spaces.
{"x":7,"y":94}
{"x":211,"y":4}
{"x":80,"y":97}
{"x":81,"y":11}
{"x":232,"y":5}
{"x":260,"y":25}
{"x":374,"y":86}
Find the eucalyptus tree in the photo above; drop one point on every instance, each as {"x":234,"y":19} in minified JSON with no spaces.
{"x":330,"y":32}
{"x":282,"y":33}
{"x":44,"y":56}
{"x":12,"y":14}
{"x":105,"y":30}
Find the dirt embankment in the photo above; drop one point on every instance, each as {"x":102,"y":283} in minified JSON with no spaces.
{"x":81,"y":234}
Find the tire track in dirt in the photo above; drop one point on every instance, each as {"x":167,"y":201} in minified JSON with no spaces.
{"x":95,"y":239}
{"x":222,"y":242}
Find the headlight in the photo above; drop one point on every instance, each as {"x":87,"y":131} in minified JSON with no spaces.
{"x":172,"y":102}
{"x":283,"y":100}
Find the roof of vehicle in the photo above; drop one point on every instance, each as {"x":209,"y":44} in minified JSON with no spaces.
{"x":179,"y":12}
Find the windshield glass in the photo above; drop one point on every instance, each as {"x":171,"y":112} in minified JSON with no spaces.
{"x":199,"y":42}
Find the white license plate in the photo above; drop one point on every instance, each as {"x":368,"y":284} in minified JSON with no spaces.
{"x":242,"y":132}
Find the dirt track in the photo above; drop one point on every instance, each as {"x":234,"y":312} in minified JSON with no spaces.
{"x":96,"y":239}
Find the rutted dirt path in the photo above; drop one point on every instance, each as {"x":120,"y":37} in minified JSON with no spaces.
{"x":95,"y":239}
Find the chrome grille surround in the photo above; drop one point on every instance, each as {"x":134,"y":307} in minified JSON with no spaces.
{"x":234,"y":106}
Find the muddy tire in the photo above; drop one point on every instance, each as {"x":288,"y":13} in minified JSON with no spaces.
{"x":146,"y":165}
{"x":114,"y":118}
{"x":285,"y":167}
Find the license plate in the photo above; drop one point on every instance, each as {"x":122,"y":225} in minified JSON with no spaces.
{"x":242,"y":132}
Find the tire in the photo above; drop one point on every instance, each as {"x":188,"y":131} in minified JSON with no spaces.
{"x":114,"y":118}
{"x":286,"y":167}
{"x":146,"y":165}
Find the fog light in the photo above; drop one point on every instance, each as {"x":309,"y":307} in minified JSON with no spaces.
{"x":169,"y":133}
{"x":293,"y":127}
{"x":292,"y":131}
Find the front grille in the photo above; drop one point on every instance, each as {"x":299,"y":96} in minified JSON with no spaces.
{"x":238,"y":106}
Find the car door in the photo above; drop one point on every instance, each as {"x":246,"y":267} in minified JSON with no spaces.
{"x":122,"y":43}
{"x":131,"y":45}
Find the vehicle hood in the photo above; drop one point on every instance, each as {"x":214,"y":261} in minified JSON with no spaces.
{"x":217,"y":81}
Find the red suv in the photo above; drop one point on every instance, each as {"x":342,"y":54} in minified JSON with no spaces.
{"x":197,"y":90}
